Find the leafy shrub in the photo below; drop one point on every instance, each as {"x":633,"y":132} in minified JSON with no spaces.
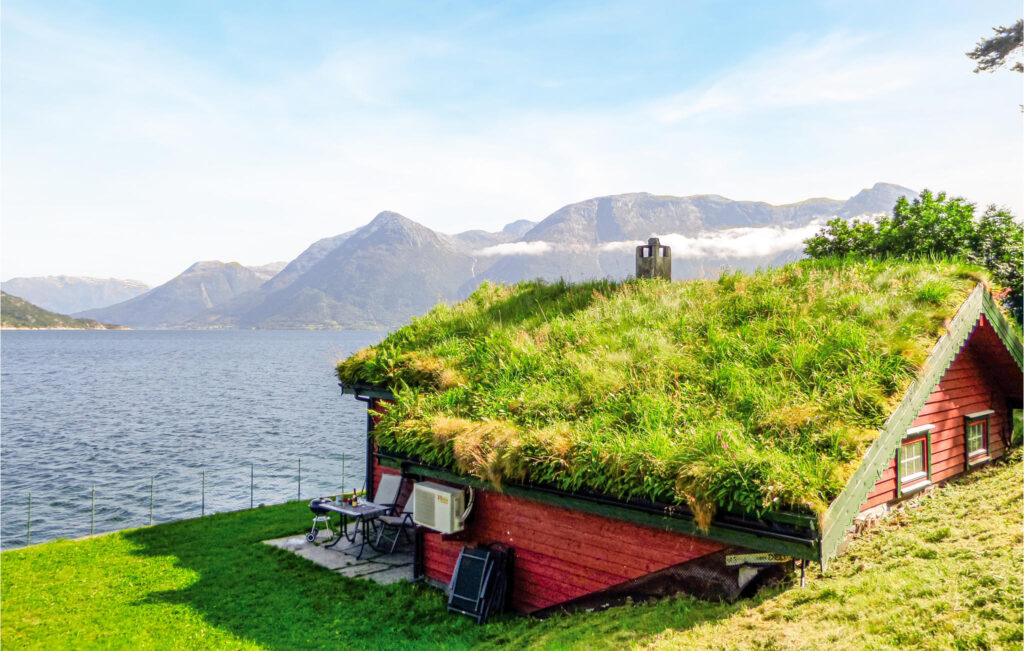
{"x":934,"y":226}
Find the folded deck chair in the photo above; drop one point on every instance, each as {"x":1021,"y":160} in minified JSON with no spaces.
{"x":393,"y":525}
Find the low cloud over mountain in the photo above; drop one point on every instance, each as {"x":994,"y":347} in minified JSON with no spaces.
{"x":741,"y":242}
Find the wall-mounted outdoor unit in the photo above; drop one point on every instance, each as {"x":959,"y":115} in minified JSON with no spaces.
{"x":438,"y":507}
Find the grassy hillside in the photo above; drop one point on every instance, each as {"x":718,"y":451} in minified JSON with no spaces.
{"x":751,"y":393}
{"x":18,"y":313}
{"x":941,"y":576}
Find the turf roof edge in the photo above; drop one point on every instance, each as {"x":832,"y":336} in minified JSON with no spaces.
{"x":846,"y":506}
{"x":363,"y":391}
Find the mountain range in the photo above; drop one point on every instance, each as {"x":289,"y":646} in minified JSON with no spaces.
{"x":70,"y":294}
{"x":393,"y":269}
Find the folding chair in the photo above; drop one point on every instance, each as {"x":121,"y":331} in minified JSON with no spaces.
{"x":392,"y":525}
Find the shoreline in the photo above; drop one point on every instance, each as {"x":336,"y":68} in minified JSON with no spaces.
{"x":61,"y":328}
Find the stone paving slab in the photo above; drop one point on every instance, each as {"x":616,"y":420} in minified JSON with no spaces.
{"x":373,"y":566}
{"x":391,"y":575}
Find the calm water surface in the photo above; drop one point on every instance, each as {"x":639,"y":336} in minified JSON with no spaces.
{"x":119,"y":409}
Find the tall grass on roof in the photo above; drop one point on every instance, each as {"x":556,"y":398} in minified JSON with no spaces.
{"x":751,"y":393}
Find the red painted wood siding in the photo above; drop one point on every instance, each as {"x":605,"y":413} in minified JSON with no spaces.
{"x":968,"y":386}
{"x":560,"y":554}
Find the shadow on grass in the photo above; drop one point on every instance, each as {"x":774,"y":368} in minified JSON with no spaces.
{"x":539,"y":300}
{"x":276,"y":599}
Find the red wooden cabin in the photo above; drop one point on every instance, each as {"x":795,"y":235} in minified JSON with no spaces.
{"x":956,"y":416}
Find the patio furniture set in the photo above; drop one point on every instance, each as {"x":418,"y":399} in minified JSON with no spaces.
{"x":479,"y":585}
{"x":381,"y":523}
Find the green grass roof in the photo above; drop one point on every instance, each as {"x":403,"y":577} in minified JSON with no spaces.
{"x":751,"y":393}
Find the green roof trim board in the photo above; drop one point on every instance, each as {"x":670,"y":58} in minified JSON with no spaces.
{"x":1003,"y":328}
{"x":772,"y":395}
{"x":806,"y":548}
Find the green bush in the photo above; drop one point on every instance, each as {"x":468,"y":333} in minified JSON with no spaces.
{"x":934,"y":226}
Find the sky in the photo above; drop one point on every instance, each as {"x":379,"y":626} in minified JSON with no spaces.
{"x":139,"y":137}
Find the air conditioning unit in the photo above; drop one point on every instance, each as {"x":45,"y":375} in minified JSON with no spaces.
{"x":438,"y":507}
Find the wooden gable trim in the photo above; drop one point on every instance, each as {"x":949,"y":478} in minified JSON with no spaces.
{"x":846,"y":506}
{"x":1002,"y":327}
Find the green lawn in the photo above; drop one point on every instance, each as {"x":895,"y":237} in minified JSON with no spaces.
{"x":945,"y":575}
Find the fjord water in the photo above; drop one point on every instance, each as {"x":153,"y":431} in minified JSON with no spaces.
{"x":120,"y":409}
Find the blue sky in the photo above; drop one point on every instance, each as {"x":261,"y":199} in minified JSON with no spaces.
{"x":141,"y":137}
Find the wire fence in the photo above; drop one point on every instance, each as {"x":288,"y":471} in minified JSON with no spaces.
{"x":120,"y":507}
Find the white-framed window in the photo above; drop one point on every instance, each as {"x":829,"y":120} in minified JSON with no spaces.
{"x":977,"y":437}
{"x":913,"y":463}
{"x":976,"y":434}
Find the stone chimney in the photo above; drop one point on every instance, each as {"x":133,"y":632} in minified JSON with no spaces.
{"x":654,"y":260}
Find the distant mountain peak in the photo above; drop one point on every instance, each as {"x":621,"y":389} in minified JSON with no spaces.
{"x":203,"y":266}
{"x":392,"y":222}
{"x":518,"y":227}
{"x":388,"y":217}
{"x":392,"y":229}
{"x":191,"y":296}
{"x":882,"y":185}
{"x":868,"y":200}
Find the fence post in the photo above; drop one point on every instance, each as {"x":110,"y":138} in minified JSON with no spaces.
{"x":342,"y":473}
{"x":203,"y":512}
{"x":28,"y":538}
{"x":300,"y":479}
{"x":152,"y":482}
{"x":252,"y":476}
{"x":92,"y":516}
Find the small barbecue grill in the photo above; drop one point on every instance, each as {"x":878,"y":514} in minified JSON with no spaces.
{"x":321,"y":516}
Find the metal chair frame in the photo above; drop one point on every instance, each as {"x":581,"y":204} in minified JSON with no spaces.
{"x":396,"y":520}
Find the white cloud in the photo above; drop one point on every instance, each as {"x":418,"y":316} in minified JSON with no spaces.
{"x":837,"y":68}
{"x":516,"y":248}
{"x":744,"y":242}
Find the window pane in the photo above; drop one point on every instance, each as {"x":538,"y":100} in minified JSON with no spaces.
{"x":975,"y":437}
{"x":912,"y":459}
